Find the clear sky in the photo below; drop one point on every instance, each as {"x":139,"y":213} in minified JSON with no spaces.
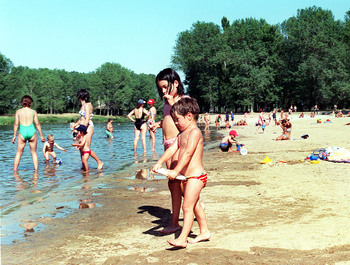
{"x":81,"y":35}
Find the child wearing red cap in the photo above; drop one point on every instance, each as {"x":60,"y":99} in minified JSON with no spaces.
{"x":228,"y":141}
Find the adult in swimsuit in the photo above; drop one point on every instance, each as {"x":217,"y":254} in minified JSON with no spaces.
{"x":287,"y":130}
{"x":85,"y":119}
{"x":25,"y":119}
{"x":140,"y":124}
{"x":171,"y":89}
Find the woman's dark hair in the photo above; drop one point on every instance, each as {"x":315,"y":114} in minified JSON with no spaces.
{"x":26,"y":101}
{"x":84,"y":95}
{"x":171,"y":76}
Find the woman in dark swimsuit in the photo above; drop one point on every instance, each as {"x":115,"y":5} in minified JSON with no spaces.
{"x":140,"y":124}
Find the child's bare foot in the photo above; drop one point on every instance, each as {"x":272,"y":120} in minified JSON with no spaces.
{"x":100,"y":166}
{"x":177,"y":243}
{"x":201,"y":237}
{"x":170,"y":229}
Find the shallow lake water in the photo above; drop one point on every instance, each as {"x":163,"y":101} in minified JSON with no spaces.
{"x":58,"y":190}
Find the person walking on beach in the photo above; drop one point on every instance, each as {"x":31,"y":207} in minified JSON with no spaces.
{"x":48,"y":148}
{"x":170,"y":88}
{"x":189,"y":147}
{"x":86,"y":113}
{"x":25,"y":118}
{"x":140,"y":124}
{"x":217,"y":122}
{"x":260,"y":121}
{"x":151,"y":120}
{"x":206,"y":121}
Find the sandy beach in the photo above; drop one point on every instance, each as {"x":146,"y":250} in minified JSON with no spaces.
{"x":290,"y":212}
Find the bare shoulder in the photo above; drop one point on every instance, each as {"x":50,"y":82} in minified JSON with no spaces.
{"x":195,"y":132}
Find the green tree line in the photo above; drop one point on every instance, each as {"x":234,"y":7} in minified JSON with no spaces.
{"x":249,"y":64}
{"x":246,"y":64}
{"x":114,"y":90}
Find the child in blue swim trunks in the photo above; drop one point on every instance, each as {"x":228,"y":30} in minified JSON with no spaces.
{"x":25,"y":119}
{"x":228,"y":141}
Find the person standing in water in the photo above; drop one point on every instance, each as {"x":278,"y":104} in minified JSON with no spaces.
{"x":25,"y":119}
{"x":86,"y":113}
{"x":151,"y":120}
{"x":140,"y":124}
{"x":109,"y":129}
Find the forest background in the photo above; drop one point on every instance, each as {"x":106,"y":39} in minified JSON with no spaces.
{"x":242,"y":65}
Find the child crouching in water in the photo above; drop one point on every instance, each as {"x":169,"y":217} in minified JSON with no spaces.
{"x":85,"y":152}
{"x":189,"y":144}
{"x":48,"y":148}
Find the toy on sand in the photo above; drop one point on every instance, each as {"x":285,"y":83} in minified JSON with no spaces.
{"x":266,"y":160}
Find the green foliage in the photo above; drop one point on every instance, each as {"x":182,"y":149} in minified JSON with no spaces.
{"x":246,"y":64}
{"x":113,"y":88}
{"x":251,"y":64}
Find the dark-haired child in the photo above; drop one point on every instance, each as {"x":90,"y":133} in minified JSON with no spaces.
{"x":189,"y":147}
{"x":83,"y":146}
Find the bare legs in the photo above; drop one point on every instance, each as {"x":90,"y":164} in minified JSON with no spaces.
{"x":21,"y":143}
{"x":141,"y":132}
{"x":152,"y":136}
{"x":191,"y":207}
{"x":90,"y":133}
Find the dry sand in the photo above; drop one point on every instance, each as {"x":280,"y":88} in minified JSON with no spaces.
{"x":277,"y":213}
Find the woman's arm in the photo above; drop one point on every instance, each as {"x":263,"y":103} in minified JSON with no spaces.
{"x":130,"y":114}
{"x":38,"y":126}
{"x":15,"y":127}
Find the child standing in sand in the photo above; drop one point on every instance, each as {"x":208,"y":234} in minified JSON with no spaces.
{"x":25,"y":119}
{"x":189,"y":147}
{"x":83,"y":146}
{"x":48,"y":148}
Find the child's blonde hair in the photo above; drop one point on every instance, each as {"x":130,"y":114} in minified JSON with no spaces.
{"x":50,"y":137}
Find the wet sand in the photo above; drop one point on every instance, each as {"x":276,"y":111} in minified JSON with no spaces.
{"x":276,"y":213}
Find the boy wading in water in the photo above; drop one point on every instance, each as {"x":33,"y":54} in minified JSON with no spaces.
{"x":189,"y":145}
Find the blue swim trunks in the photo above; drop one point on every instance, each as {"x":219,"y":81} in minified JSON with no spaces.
{"x":224,"y":147}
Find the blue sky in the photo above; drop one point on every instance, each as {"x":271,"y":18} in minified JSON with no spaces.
{"x":81,"y":35}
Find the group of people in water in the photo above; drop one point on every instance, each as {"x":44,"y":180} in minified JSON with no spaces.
{"x":183,"y":151}
{"x":182,"y":140}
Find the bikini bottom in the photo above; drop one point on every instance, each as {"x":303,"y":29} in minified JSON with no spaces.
{"x":202,"y":178}
{"x":168,"y":143}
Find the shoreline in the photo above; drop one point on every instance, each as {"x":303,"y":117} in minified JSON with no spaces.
{"x":291,"y":212}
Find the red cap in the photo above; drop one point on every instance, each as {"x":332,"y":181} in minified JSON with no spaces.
{"x":233,"y":132}
{"x":151,"y":101}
